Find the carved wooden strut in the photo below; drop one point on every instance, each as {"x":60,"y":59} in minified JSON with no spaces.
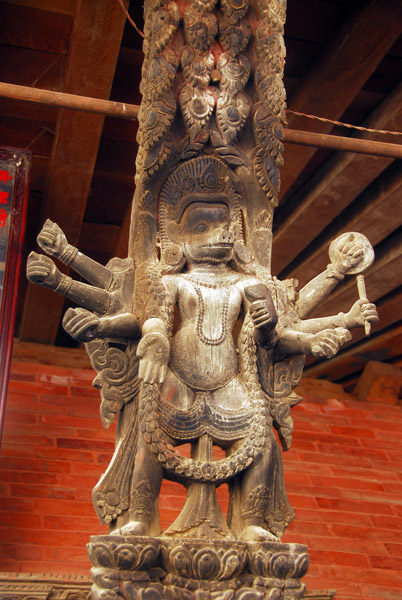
{"x":192,"y":337}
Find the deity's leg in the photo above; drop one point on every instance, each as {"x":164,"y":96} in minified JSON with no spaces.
{"x":265,"y":510}
{"x":144,"y":494}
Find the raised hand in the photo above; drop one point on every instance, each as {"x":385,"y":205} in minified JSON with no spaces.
{"x":52,"y":239}
{"x":41,"y":270}
{"x":349,"y":255}
{"x":326,"y":343}
{"x":82,"y":324}
{"x":362,"y":311}
{"x":153,"y":351}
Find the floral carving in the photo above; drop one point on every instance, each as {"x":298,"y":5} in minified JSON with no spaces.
{"x":161,"y":73}
{"x":271,"y":48}
{"x":267,"y":173}
{"x":197,"y":68}
{"x":234,"y":10}
{"x":155,"y":120}
{"x":197,"y":107}
{"x":163,"y":25}
{"x":235,"y":72}
{"x":270,"y":89}
{"x":231,"y":114}
{"x":199,"y":29}
{"x":268,"y":131}
{"x":234,"y":37}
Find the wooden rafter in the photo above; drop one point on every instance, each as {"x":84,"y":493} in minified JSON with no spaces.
{"x":331,"y":189}
{"x":347,"y":62}
{"x":91,"y":68}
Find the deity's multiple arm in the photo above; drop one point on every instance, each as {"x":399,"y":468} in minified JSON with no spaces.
{"x":81,"y":323}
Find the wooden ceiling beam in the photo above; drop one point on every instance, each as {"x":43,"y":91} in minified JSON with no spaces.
{"x":333,"y":187}
{"x":91,"y":67}
{"x":376,"y":213}
{"x":63,"y":7}
{"x":347,"y":62}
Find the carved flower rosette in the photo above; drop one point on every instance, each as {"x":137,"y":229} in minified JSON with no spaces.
{"x":195,"y":559}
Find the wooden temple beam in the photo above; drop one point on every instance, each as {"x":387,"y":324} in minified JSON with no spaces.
{"x":91,"y":68}
{"x":376,"y":213}
{"x":63,"y":7}
{"x":130,"y":111}
{"x":347,"y":62}
{"x":331,"y":189}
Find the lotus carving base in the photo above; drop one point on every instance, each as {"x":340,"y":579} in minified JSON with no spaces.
{"x":146,"y":568}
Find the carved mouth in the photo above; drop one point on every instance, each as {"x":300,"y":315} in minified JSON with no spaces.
{"x":218,"y":245}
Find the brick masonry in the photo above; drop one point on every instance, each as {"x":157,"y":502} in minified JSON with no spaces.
{"x":343,"y":476}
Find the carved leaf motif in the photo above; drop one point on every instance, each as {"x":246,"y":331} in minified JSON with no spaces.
{"x":197,"y":68}
{"x":161,"y":71}
{"x":197,"y":107}
{"x":199,"y":29}
{"x":201,"y":5}
{"x":231,"y":114}
{"x":234,"y":10}
{"x":267,"y":173}
{"x":234,"y":37}
{"x":157,"y":156}
{"x":270,"y":89}
{"x":269,"y":132}
{"x":189,"y":148}
{"x":274,"y":11}
{"x":163,"y":26}
{"x":271,"y":48}
{"x":155,"y":120}
{"x":235,"y":72}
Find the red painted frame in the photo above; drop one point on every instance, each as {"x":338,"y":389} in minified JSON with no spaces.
{"x":15,"y":168}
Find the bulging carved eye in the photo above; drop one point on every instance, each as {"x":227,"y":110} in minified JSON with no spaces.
{"x":201,"y":228}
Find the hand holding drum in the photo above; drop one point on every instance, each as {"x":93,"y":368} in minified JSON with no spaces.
{"x":355,"y":254}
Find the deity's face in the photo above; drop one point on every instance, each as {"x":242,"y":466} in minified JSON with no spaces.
{"x":204,"y":229}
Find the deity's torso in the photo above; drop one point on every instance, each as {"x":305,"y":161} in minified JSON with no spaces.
{"x":203,"y":352}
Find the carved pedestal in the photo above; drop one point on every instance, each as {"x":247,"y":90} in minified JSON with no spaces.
{"x":142,"y":568}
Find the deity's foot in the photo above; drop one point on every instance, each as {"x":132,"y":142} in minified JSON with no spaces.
{"x":254,"y":533}
{"x":132,"y":528}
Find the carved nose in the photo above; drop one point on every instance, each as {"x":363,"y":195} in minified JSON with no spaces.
{"x":226,"y":237}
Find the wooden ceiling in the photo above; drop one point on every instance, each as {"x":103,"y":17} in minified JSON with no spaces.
{"x":344,"y":63}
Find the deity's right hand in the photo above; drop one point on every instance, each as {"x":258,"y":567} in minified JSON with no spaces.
{"x":327,"y":342}
{"x":153,"y":351}
{"x":82,"y":324}
{"x":42,"y":271}
{"x":52,"y":239}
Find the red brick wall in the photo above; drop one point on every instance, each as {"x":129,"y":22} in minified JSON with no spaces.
{"x":343,"y":477}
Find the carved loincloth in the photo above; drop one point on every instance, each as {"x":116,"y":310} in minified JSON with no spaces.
{"x":203,"y":418}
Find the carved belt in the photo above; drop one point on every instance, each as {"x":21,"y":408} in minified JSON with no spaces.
{"x":201,"y":418}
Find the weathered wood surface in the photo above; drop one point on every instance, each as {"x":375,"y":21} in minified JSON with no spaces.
{"x":90,"y":71}
{"x":332,"y":188}
{"x":376,"y":212}
{"x":64,"y":7}
{"x":347,"y":61}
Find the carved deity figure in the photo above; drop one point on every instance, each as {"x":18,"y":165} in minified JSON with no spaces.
{"x":199,"y":346}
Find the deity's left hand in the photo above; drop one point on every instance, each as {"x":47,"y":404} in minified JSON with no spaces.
{"x":362,"y":311}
